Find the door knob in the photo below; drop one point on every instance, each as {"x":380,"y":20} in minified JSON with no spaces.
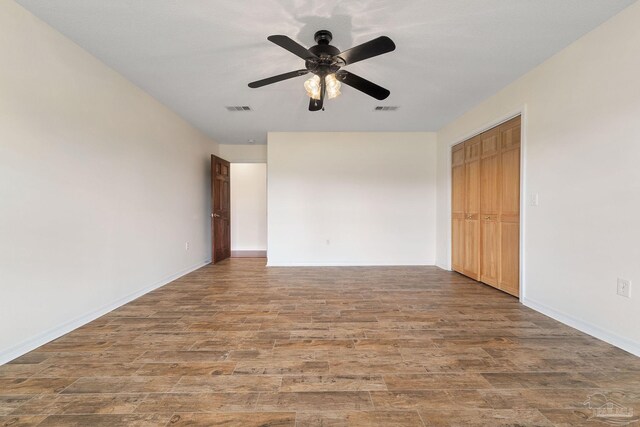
{"x":216,"y":216}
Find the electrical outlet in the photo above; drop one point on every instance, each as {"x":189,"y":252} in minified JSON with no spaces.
{"x":624,"y":288}
{"x":186,"y":246}
{"x":328,"y":242}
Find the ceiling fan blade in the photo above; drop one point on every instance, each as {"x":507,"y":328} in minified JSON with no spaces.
{"x":317,"y":104}
{"x":363,"y":85}
{"x":278,"y":78}
{"x":368,"y":50}
{"x":292,"y":46}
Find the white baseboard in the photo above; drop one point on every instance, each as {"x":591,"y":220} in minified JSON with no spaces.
{"x":586,"y":327}
{"x":345,"y":264}
{"x":50,"y":335}
{"x":257,"y":253}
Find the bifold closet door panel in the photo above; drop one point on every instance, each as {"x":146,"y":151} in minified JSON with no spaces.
{"x":457,"y":208}
{"x":489,"y":207}
{"x":509,"y":278}
{"x":472,"y":209}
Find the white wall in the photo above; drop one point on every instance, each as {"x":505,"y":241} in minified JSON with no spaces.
{"x":100,"y":187}
{"x":248,"y":207}
{"x":582,"y":142}
{"x":351,"y":198}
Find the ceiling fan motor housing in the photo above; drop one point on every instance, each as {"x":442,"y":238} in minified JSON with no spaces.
{"x":327,"y":61}
{"x":323,"y":37}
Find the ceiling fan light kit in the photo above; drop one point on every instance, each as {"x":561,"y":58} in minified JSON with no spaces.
{"x":325,"y":61}
{"x":313,"y":87}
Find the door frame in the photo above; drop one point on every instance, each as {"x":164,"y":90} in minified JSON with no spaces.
{"x":522,"y":112}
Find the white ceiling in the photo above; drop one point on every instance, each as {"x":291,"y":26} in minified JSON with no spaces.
{"x":197,"y":56}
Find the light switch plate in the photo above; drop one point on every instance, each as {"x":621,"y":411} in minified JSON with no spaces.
{"x":534,"y":200}
{"x":624,"y":288}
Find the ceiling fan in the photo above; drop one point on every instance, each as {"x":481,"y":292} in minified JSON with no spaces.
{"x":325,"y":62}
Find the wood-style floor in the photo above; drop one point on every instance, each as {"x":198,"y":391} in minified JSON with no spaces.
{"x":237,"y":344}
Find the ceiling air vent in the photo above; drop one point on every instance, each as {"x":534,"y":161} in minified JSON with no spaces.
{"x":238,"y":108}
{"x":385,"y":108}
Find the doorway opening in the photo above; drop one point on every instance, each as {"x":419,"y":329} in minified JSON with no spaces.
{"x":248,"y":210}
{"x":238,"y":210}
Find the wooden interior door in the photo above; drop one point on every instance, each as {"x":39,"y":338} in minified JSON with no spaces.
{"x":489,"y":206}
{"x":471,"y":263}
{"x":457,"y":208}
{"x":220,"y":209}
{"x":509,"y":275}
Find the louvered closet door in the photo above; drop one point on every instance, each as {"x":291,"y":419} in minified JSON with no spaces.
{"x":509,"y":276}
{"x":457,"y":208}
{"x":471,"y":264}
{"x":489,"y":207}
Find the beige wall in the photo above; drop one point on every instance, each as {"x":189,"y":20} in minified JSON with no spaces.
{"x":582,"y":133}
{"x":244,"y":153}
{"x":101,"y":186}
{"x":351,"y":198}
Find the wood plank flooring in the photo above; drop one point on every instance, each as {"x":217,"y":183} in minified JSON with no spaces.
{"x":237,"y":344}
